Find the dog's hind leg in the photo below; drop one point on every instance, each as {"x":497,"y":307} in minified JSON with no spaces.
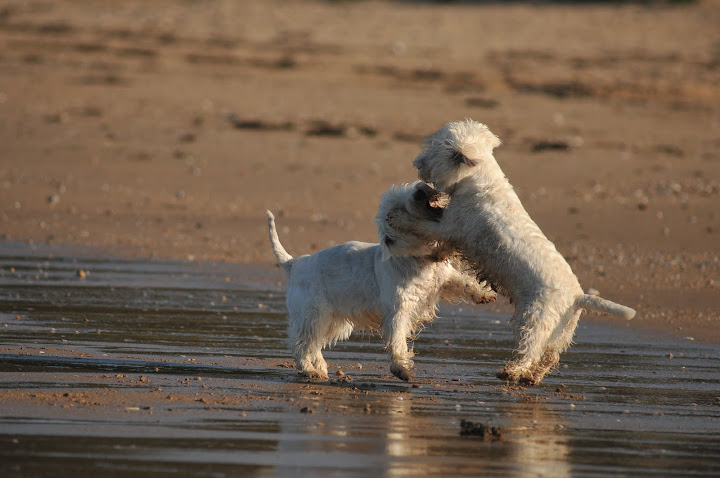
{"x":532,"y":335}
{"x":560,"y":340}
{"x":306,"y":344}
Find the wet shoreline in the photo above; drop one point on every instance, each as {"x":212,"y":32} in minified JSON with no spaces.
{"x":162,"y":367}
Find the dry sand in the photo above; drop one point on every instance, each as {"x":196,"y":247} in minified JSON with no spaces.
{"x":166,"y":128}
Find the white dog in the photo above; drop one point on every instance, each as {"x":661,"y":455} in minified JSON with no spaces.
{"x":391,"y":288}
{"x":486,"y":222}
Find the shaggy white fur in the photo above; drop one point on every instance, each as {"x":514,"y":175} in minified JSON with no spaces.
{"x":391,"y":288}
{"x":487,"y":223}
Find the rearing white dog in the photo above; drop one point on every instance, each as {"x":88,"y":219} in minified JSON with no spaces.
{"x":391,"y":288}
{"x":486,"y":222}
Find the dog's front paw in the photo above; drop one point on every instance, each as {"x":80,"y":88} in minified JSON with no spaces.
{"x":484,"y":298}
{"x":425,"y":203}
{"x":314,"y":374}
{"x":401,"y":372}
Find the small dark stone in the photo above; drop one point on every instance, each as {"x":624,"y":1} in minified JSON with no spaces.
{"x":550,"y":145}
{"x":487,"y":432}
{"x":481,"y":102}
{"x":324,"y":128}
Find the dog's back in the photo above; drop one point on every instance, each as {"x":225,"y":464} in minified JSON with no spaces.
{"x":341,"y":277}
{"x":504,"y":243}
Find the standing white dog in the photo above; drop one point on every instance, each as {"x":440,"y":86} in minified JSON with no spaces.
{"x":487,"y":223}
{"x":392,"y":288}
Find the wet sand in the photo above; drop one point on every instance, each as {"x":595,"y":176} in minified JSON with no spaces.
{"x":173,"y":367}
{"x":165,"y":129}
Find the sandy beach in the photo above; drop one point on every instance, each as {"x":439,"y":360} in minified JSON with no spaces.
{"x":142,"y":318}
{"x":165,"y":129}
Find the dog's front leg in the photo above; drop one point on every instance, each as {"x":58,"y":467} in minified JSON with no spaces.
{"x":396,"y":330}
{"x":428,"y":230}
{"x":465,"y":286}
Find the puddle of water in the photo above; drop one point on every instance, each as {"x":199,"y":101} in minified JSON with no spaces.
{"x":160,"y":367}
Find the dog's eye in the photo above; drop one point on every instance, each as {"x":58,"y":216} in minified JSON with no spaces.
{"x":388,"y":242}
{"x":458,"y":158}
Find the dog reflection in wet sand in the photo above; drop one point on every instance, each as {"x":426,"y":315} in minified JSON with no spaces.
{"x":392,"y":287}
{"x":486,"y":222}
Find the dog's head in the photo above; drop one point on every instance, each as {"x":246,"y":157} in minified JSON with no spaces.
{"x":459,"y":149}
{"x":421,"y":201}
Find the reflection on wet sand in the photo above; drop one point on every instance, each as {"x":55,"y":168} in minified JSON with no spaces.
{"x":540,"y":445}
{"x":397,"y":437}
{"x":142,"y":366}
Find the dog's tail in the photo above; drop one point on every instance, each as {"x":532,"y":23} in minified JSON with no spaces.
{"x":587,"y":301}
{"x":284,"y":259}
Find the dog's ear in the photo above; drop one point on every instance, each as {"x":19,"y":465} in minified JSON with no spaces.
{"x":490,"y":140}
{"x":385,"y":244}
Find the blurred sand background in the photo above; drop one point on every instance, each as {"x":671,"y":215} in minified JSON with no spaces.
{"x":166,"y":128}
